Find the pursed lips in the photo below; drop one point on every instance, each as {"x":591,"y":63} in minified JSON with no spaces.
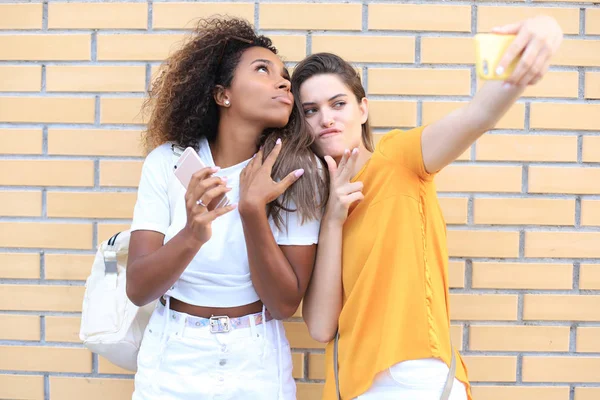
{"x":329,"y":132}
{"x":283,"y":99}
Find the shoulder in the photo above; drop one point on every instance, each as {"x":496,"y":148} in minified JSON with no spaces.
{"x":161,"y":153}
{"x":159,"y":162}
{"x":407,"y":139}
{"x":161,"y":157}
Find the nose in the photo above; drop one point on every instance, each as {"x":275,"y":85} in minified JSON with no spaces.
{"x":326,"y":119}
{"x":284,"y":84}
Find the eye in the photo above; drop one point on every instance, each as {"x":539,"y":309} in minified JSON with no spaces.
{"x":262,"y":68}
{"x":309,"y":111}
{"x":339,"y":104}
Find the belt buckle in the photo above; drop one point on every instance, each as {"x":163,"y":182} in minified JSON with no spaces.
{"x":220,"y":324}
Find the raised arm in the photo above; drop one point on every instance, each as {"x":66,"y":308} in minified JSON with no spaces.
{"x":537,"y":40}
{"x":280,"y":274}
{"x":153,"y":267}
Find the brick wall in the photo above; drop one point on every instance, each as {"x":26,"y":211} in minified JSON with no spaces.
{"x":523,"y":205}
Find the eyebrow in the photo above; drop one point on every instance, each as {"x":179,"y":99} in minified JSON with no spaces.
{"x":285,"y":72}
{"x":263,"y":60}
{"x":310,"y":103}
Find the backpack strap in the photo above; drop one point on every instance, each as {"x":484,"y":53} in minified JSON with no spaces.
{"x":108,"y":249}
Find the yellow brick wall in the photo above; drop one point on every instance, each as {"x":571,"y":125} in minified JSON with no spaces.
{"x":523,"y":204}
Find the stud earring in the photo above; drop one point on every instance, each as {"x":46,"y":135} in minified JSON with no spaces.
{"x":227,"y":103}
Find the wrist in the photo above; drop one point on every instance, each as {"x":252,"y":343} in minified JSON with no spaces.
{"x":190,"y":240}
{"x":251,"y":207}
{"x":332,"y":221}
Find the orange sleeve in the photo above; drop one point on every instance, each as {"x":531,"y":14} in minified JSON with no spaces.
{"x":404,"y":148}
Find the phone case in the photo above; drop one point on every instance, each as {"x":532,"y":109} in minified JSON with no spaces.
{"x":489,"y":50}
{"x":188,"y":164}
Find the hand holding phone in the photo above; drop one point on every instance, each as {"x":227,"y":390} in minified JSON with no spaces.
{"x":203,"y":189}
{"x":188,"y":164}
{"x":489,"y":50}
{"x":526,"y":48}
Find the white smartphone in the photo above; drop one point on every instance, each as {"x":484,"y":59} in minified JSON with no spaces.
{"x":188,"y":164}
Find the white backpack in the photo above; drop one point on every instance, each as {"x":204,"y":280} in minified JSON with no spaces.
{"x":111,"y":325}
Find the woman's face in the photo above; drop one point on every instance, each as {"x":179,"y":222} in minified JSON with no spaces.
{"x":333,"y":113}
{"x":260,"y":89}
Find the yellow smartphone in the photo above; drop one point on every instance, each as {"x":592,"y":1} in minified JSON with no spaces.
{"x":489,"y":49}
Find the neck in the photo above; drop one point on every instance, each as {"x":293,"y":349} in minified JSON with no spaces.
{"x":364,"y":155}
{"x":236,"y":142}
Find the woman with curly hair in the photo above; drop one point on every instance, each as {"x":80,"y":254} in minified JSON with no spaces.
{"x":225,"y":275}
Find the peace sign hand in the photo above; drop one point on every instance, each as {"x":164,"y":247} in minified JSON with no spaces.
{"x":342,"y":192}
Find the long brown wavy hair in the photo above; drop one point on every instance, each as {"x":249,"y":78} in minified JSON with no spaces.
{"x":182,"y":109}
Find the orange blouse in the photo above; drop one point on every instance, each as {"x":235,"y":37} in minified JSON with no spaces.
{"x":395,"y":271}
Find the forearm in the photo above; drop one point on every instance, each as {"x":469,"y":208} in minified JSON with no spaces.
{"x":272,"y":275}
{"x":490,"y":104}
{"x":323,"y":301}
{"x":446,"y":139}
{"x":151,"y":275}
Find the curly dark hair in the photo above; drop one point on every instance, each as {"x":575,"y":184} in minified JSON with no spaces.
{"x":182,"y":108}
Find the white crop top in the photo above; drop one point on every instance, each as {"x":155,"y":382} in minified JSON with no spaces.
{"x":219,"y":274}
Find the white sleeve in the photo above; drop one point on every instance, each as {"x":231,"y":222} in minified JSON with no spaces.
{"x":151,"y":210}
{"x":294,"y":233}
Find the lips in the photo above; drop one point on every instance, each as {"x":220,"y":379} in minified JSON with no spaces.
{"x":329,"y":132}
{"x":283,"y":99}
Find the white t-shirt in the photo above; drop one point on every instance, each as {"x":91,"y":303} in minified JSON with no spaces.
{"x":219,"y":274}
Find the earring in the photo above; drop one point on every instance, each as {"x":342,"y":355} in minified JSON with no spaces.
{"x":227,"y":103}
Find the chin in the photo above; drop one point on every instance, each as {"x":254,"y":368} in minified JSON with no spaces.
{"x":279,"y":121}
{"x":334,"y":151}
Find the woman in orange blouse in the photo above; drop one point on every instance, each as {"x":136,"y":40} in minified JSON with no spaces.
{"x":389,"y":302}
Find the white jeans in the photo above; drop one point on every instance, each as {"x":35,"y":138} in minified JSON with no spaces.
{"x":413,"y":380}
{"x":179,"y":361}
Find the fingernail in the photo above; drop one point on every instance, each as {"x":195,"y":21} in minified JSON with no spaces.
{"x":346,"y":151}
{"x":299,"y":172}
{"x":216,"y":168}
{"x":355,"y":151}
{"x":499,"y":71}
{"x":278,"y":141}
{"x":507,"y":85}
{"x":224,"y":178}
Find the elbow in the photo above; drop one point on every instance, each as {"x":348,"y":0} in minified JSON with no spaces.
{"x":283,"y":311}
{"x":320,"y":334}
{"x":320,"y":327}
{"x":136,"y":296}
{"x":320,"y":330}
{"x":133,"y":295}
